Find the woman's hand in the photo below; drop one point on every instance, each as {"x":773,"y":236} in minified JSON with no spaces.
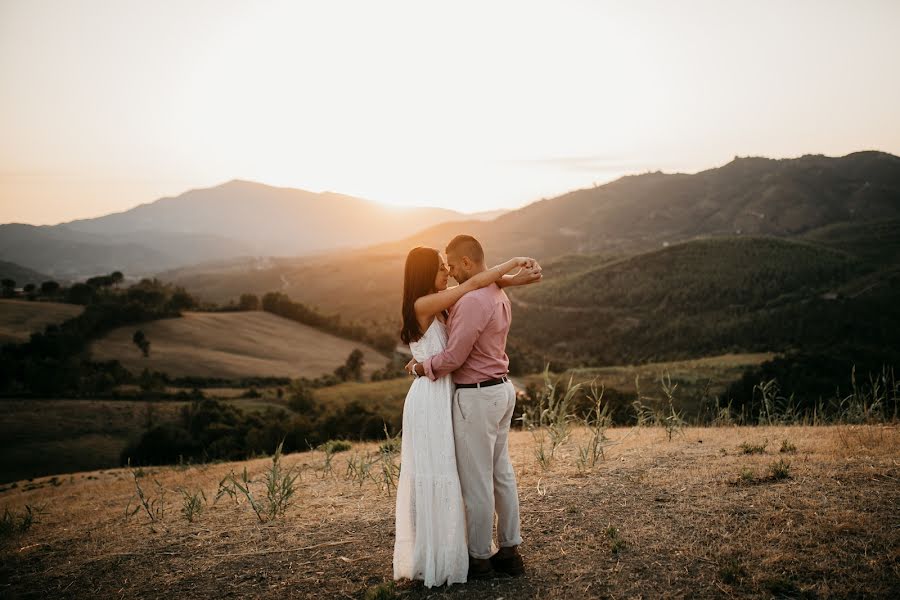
{"x":525,"y":262}
{"x":411,"y":368}
{"x":525,"y":276}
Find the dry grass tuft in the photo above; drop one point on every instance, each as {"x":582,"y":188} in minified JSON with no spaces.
{"x":757,"y":448}
{"x":787,"y":447}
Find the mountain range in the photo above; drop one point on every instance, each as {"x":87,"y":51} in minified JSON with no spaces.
{"x":785,"y":198}
{"x":756,"y":255}
{"x":747,"y":196}
{"x":21,"y":275}
{"x":237,"y":218}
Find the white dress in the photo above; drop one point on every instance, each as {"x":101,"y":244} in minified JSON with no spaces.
{"x":430,"y":539}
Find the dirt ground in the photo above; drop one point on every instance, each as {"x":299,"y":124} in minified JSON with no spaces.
{"x":694,"y":517}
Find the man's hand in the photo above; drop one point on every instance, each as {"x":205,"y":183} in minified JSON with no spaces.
{"x":409,"y":366}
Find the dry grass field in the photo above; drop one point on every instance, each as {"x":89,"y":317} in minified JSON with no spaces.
{"x":709,"y":376}
{"x":709,"y":514}
{"x":40,"y":436}
{"x":20,"y":318}
{"x":232,"y":345}
{"x":719,"y":370}
{"x":71,"y":435}
{"x":693,"y":376}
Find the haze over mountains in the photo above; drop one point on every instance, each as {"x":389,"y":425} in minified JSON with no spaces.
{"x":635,"y":214}
{"x":192,"y":239}
{"x":758,"y":255}
{"x":757,"y":196}
{"x":238,"y":218}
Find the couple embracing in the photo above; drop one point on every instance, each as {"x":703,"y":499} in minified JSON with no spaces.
{"x":455,"y":467}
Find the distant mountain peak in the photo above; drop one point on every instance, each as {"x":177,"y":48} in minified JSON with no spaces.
{"x":243,"y":184}
{"x":232,"y":182}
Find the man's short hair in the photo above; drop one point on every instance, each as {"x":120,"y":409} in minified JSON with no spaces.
{"x":466,"y":245}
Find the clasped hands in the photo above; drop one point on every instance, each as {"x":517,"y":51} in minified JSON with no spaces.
{"x":530,"y":272}
{"x":410,"y":366}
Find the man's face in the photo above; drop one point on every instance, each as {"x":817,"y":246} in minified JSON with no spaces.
{"x":457,"y":267}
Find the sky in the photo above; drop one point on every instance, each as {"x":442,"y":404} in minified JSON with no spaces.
{"x":466,"y":105}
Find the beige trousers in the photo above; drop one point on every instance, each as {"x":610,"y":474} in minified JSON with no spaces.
{"x":481,"y":420}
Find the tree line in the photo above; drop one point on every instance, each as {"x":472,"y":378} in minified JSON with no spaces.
{"x":53,"y":361}
{"x":208,"y":429}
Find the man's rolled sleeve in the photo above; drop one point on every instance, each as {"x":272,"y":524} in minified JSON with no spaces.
{"x":469,"y":319}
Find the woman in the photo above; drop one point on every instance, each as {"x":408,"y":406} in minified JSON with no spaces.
{"x":430,"y":541}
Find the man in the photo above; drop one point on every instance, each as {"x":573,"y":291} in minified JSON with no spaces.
{"x":483,"y":405}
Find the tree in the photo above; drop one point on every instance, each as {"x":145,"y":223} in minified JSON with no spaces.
{"x":116,"y":277}
{"x":29,"y":288}
{"x":80,"y":293}
{"x":301,"y":399}
{"x":100,"y":281}
{"x":181,"y":300}
{"x":151,"y":382}
{"x":9,"y":287}
{"x":140,"y":340}
{"x":352,"y":368}
{"x":249,"y":302}
{"x":49,"y":288}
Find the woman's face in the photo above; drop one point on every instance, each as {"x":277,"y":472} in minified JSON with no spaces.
{"x":443,"y":274}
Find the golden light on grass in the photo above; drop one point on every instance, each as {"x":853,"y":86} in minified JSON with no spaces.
{"x":20,"y":318}
{"x":232,"y":345}
{"x":676,"y":508}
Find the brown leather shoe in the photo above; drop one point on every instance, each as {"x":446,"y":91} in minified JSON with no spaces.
{"x":480,"y":568}
{"x":508,"y":563}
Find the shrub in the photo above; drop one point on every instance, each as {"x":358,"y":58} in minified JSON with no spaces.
{"x":780,"y":469}
{"x":787,"y":447}
{"x":161,"y":444}
{"x":748,"y":448}
{"x":248,"y":302}
{"x":301,"y":399}
{"x":12,"y":524}
{"x":335,"y":446}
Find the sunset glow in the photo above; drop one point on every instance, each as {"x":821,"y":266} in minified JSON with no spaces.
{"x":469,"y":106}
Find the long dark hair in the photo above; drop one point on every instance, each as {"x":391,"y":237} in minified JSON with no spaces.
{"x":418,"y":280}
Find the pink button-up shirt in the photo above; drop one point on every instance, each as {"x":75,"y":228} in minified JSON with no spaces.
{"x":476,"y":348}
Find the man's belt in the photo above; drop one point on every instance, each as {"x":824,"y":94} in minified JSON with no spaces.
{"x":482,"y":384}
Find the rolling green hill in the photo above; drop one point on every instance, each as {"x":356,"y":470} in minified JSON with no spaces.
{"x":744,"y":273}
{"x":717,"y":295}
